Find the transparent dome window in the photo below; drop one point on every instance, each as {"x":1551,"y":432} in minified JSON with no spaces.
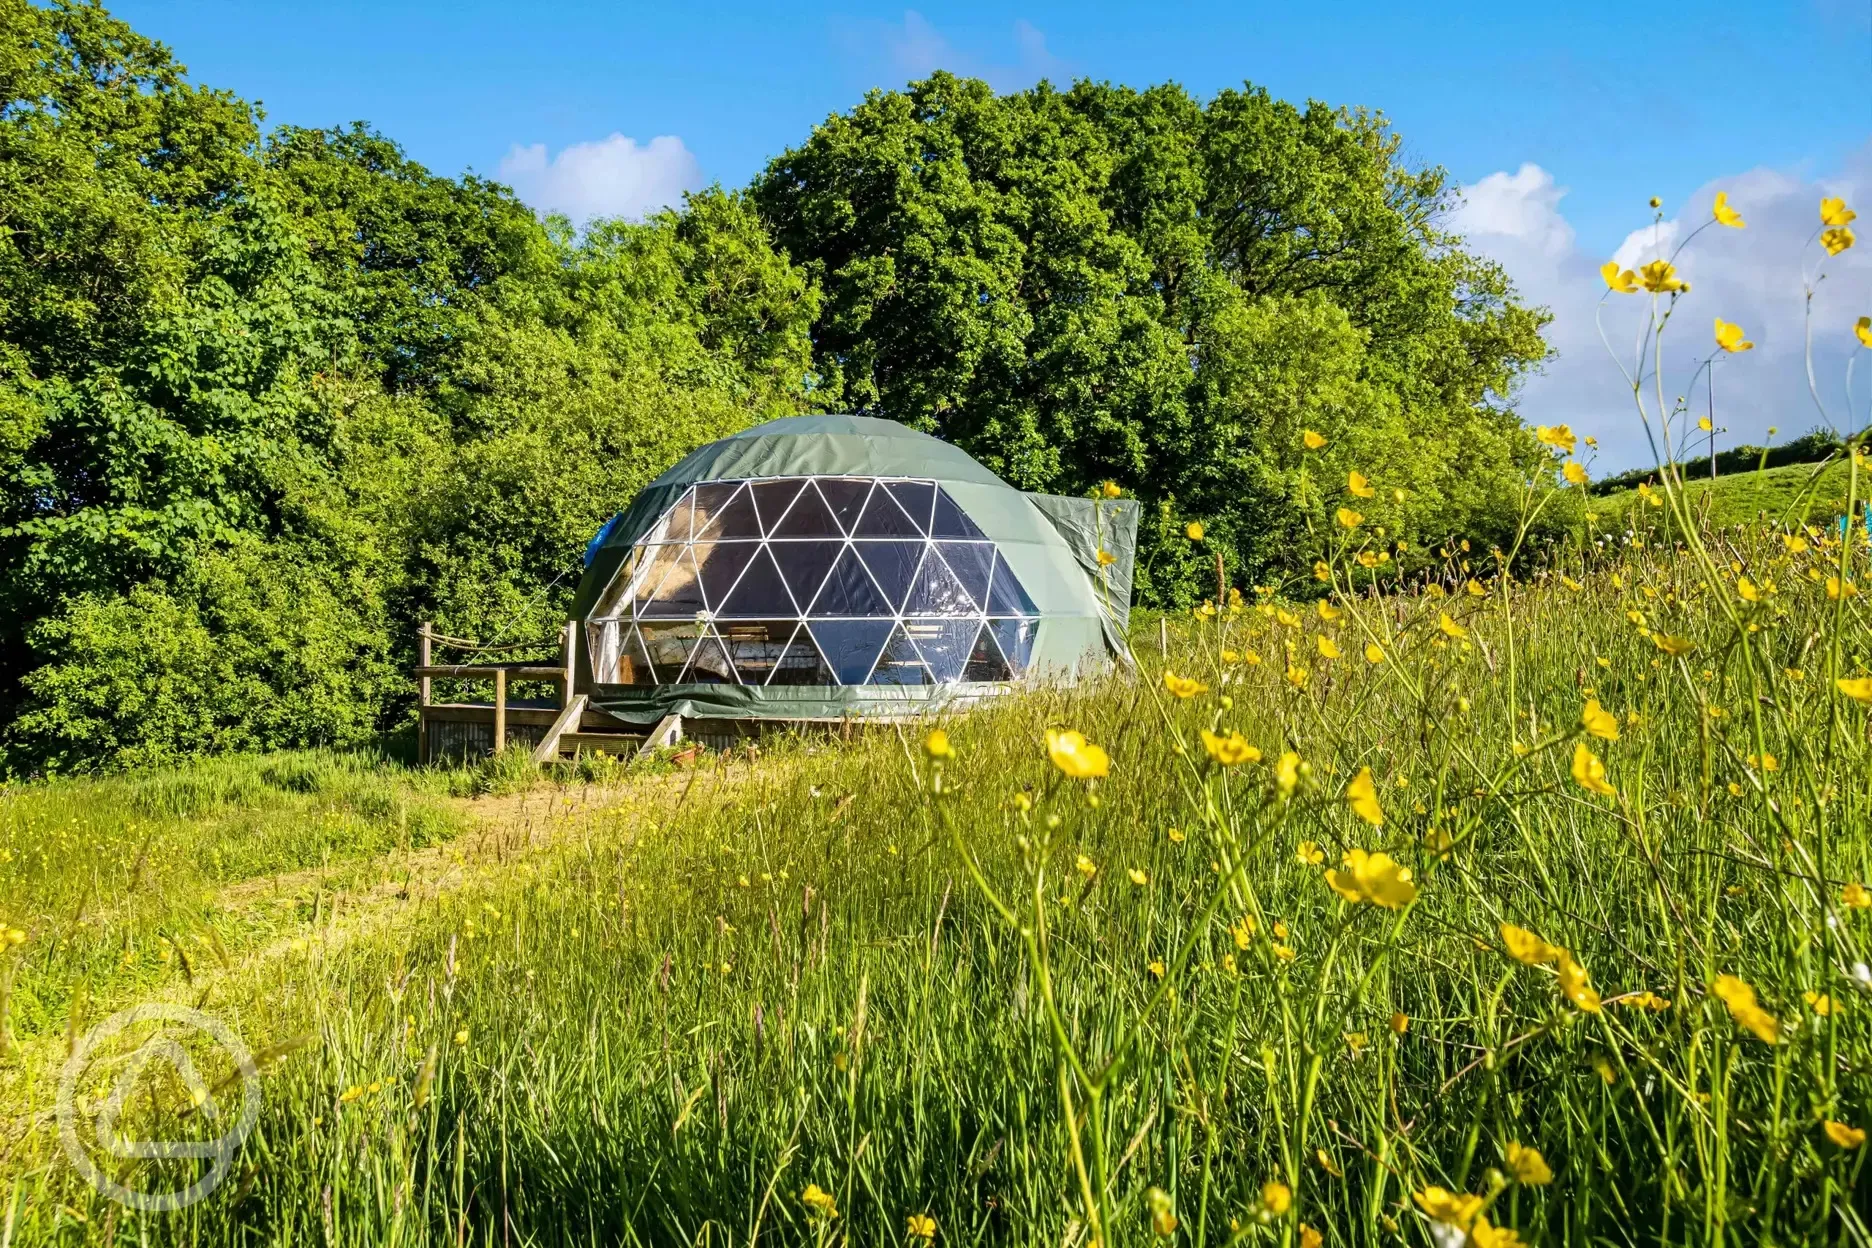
{"x":813,"y":581}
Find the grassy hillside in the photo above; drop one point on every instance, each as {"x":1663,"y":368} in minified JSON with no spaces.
{"x":1794,"y":494}
{"x":1536,"y":907}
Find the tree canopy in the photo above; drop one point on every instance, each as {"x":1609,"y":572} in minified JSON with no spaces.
{"x":269,"y":398}
{"x":1110,"y":284}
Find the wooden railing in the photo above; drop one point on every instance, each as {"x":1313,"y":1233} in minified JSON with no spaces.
{"x":427,"y":671}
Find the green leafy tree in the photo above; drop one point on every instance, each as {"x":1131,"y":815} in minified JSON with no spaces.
{"x":1105,"y":283}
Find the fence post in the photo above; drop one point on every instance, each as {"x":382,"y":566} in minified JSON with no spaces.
{"x":500,"y":709}
{"x":1163,"y":636}
{"x":423,"y":692}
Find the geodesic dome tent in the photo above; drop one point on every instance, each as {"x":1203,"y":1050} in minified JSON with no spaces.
{"x":822,"y":567}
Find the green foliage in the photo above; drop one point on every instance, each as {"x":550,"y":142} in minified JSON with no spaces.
{"x":264,"y":405}
{"x":1112,"y":284}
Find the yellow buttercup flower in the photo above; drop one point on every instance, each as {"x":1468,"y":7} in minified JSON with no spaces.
{"x":1400,"y":1023}
{"x":1163,"y":1219}
{"x":1287,"y":773}
{"x":1525,"y":947}
{"x":1858,"y":688}
{"x":1748,"y":590}
{"x":1374,"y":878}
{"x":1328,"y":612}
{"x":1450,"y":1208}
{"x":1748,"y":1013}
{"x":1729,"y":338}
{"x":1560,"y":437}
{"x":1138,"y":877}
{"x":1109,"y":490}
{"x":1193,"y":530}
{"x":1724,"y":214}
{"x":1619,"y":281}
{"x":1157,"y":967}
{"x":1862,"y":330}
{"x":1374,"y":653}
{"x":1474,"y":588}
{"x":1276,"y":1197}
{"x":1328,"y":649}
{"x":819,"y":1200}
{"x":1836,"y":589}
{"x":1660,"y":278}
{"x":1183,"y":686}
{"x":1359,"y":486}
{"x":1589,"y":773}
{"x":1348,"y":519}
{"x":1322,"y":571}
{"x":1823,"y":1005}
{"x":1676,"y":647}
{"x":1527,"y":1165}
{"x":1836,"y":241}
{"x":1833,"y":211}
{"x":937,"y":746}
{"x":1856,"y":896}
{"x":1843,"y":1135}
{"x":920,"y":1226}
{"x":1310,"y":853}
{"x":1450,"y":627}
{"x":1362,"y":796}
{"x":1286,"y":618}
{"x":1230,"y":751}
{"x":1073,"y":754}
{"x":1296,"y":676}
{"x":1598,"y":721}
{"x":1573,"y":472}
{"x":1313,"y":440}
{"x":1575,"y":985}
{"x":1106,"y":558}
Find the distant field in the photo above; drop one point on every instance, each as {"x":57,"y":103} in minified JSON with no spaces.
{"x":1800,"y":493}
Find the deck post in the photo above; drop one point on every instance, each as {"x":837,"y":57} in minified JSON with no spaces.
{"x":1163,"y":636}
{"x":568,"y":653}
{"x":423,"y":693}
{"x":500,"y":709}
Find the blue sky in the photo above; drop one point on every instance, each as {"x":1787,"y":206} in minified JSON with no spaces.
{"x":1578,"y":112}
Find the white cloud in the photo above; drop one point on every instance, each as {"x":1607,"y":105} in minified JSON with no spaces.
{"x":1751,"y":276}
{"x":612,"y":177}
{"x":914,"y":48}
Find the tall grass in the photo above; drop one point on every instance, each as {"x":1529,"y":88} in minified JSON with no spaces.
{"x":669,"y":1027}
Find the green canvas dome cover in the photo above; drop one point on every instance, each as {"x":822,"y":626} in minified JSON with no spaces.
{"x":821,"y":567}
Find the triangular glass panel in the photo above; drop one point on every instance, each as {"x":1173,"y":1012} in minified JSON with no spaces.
{"x":1016,"y":638}
{"x":851,"y":646}
{"x":950,"y":520}
{"x":808,"y":517}
{"x":846,"y":497}
{"x":659,"y":563}
{"x":894,"y":564}
{"x":720,"y":565}
{"x":668,"y":647}
{"x":900,"y":664}
{"x":773,"y":498}
{"x":848,"y":590}
{"x":675,"y":524}
{"x":733,"y":518}
{"x":945,"y":644}
{"x":754,"y":646}
{"x":680,"y":594}
{"x":762,"y":593}
{"x":916,"y":498}
{"x":801,"y":663}
{"x":985,"y":661}
{"x":938,"y":592}
{"x":709,"y":664}
{"x":1005,"y":595}
{"x":972,"y":562}
{"x":633,"y":666}
{"x":884,"y":518}
{"x":803,"y":566}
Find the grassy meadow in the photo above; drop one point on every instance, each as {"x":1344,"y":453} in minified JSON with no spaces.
{"x":1788,"y":496}
{"x":1520,"y":910}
